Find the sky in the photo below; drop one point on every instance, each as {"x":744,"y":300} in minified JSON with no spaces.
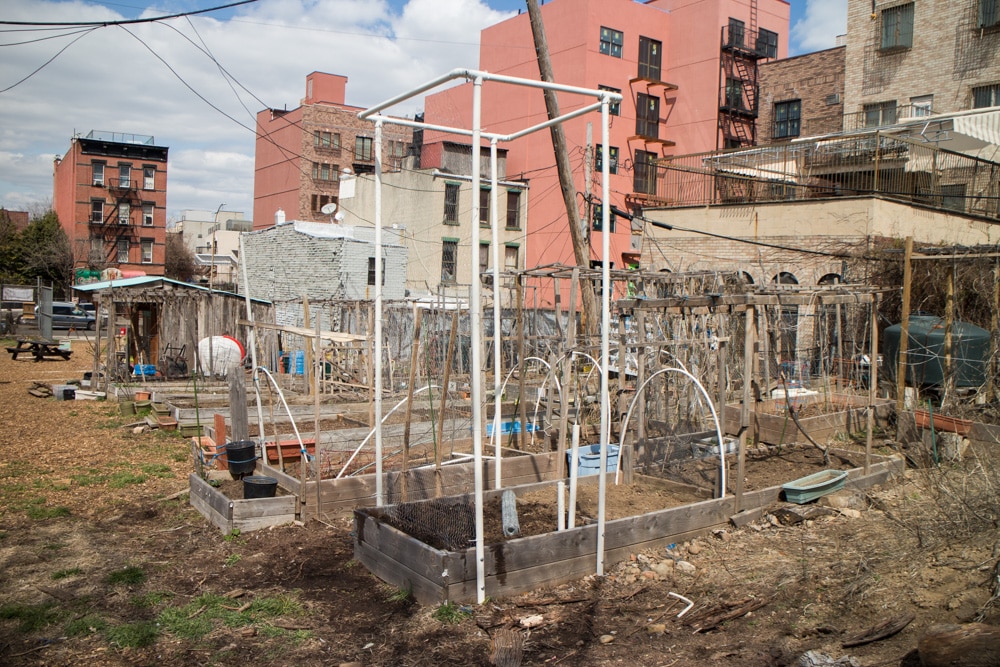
{"x":196,"y":83}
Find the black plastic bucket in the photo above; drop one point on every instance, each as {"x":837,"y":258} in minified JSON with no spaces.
{"x":259,"y":486}
{"x":242,"y":457}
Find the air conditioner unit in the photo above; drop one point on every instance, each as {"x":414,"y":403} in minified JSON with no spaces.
{"x":833,"y":99}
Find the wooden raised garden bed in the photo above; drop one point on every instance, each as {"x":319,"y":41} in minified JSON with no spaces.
{"x":822,"y":417}
{"x":522,"y":564}
{"x":242,"y":515}
{"x":347,"y":493}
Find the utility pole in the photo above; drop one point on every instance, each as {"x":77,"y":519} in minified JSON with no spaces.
{"x":581,"y":251}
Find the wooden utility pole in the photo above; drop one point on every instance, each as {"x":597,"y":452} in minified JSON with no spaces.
{"x":581,"y":251}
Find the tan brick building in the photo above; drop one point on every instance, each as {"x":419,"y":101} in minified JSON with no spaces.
{"x":907,"y":59}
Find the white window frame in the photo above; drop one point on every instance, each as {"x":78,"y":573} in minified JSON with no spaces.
{"x":147,"y":214}
{"x":93,"y":204}
{"x":98,"y":173}
{"x":124,"y":213}
{"x":122,"y":250}
{"x":147,"y":251}
{"x":149,"y":178}
{"x":124,"y":175}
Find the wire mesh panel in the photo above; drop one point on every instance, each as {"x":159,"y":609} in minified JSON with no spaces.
{"x":448,"y":524}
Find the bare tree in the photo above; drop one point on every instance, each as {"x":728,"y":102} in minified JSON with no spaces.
{"x":179,"y":260}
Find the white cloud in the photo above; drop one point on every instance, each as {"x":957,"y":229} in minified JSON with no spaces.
{"x":160,"y":80}
{"x":818,"y":28}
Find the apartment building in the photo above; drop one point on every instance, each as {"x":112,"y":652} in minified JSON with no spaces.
{"x":687,"y":73}
{"x":301,"y":154}
{"x":110,"y":194}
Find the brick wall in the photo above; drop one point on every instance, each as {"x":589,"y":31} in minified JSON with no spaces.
{"x":817,"y":79}
{"x":949,"y":56}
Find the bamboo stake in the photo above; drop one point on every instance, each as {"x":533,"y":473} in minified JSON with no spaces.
{"x":414,"y":358}
{"x":439,"y":445}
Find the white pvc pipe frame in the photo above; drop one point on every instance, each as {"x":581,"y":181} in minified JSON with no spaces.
{"x":475,"y":307}
{"x":715,"y":417}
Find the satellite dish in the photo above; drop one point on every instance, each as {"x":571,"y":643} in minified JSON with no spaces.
{"x":328,"y":209}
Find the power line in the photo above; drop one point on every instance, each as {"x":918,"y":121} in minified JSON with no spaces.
{"x":101,"y":24}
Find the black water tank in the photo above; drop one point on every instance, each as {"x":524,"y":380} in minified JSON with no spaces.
{"x":970,"y":350}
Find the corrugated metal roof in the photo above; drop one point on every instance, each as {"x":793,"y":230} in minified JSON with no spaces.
{"x":143,"y":281}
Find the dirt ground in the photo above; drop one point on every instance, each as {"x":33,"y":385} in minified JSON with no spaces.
{"x":104,"y":562}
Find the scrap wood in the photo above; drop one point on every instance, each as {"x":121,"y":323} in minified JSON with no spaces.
{"x":884,"y":629}
{"x":551,"y":600}
{"x":713,"y":617}
{"x":791,"y":515}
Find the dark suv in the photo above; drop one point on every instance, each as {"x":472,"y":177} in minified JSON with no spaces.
{"x":66,"y":315}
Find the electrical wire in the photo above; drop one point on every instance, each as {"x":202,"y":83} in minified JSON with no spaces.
{"x":154,"y":19}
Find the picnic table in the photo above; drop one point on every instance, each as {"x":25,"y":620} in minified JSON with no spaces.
{"x":39,"y":348}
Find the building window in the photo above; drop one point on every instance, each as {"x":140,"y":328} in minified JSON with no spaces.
{"x":615,"y":107}
{"x":325,"y":172}
{"x":897,"y":27}
{"x":513,"y":209}
{"x":737,"y":29}
{"x":451,"y":203}
{"x":644,"y":173}
{"x":319,"y":201}
{"x":734,"y":94}
{"x":124,"y":213}
{"x":484,"y":257}
{"x":922,"y":105}
{"x":953,"y":197}
{"x":647,"y":116}
{"x":324,"y":139}
{"x":510,"y":257}
{"x":124,"y":175}
{"x":97,"y":210}
{"x":123,"y":251}
{"x":598,"y":222}
{"x":767,"y":43}
{"x":98,"y":173}
{"x":612,"y":162}
{"x":986,"y":96}
{"x":650,"y":53}
{"x":611,"y":42}
{"x":147,"y":251}
{"x":989,"y":13}
{"x":363,"y":148}
{"x":149,"y":178}
{"x":371,"y":271}
{"x":787,"y":118}
{"x":880,"y":113}
{"x":484,"y":207}
{"x":147,"y":215}
{"x":449,"y":256}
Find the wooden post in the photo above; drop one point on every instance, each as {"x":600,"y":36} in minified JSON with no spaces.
{"x":238,"y":405}
{"x":949,"y":324}
{"x":307,"y":367}
{"x":622,"y":383}
{"x":522,"y":369}
{"x":748,"y":353}
{"x":904,"y":334}
{"x":414,"y":358}
{"x":439,"y":445}
{"x":317,"y":345}
{"x":567,"y":376}
{"x":994,"y":334}
{"x":640,"y":380}
{"x":872,"y":384}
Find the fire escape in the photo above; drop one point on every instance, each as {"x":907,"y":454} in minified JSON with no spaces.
{"x":741,"y":50}
{"x":117,"y":224}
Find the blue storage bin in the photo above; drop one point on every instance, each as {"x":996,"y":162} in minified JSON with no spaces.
{"x":509,"y":426}
{"x":589,"y":459}
{"x":300,"y":362}
{"x":147,"y":370}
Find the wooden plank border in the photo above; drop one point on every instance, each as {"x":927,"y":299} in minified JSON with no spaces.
{"x":524,"y":564}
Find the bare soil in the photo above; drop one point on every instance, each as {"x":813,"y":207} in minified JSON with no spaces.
{"x":84,"y":499}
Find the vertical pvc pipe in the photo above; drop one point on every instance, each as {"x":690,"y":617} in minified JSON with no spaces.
{"x":379,"y":490}
{"x":475,"y":319}
{"x":497,"y":393}
{"x":605,"y":328}
{"x":573,"y":474}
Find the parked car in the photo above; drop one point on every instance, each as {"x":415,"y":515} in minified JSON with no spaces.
{"x":67,"y":315}
{"x":91,"y":310}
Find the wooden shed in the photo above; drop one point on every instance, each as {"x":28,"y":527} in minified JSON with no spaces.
{"x":156,"y":321}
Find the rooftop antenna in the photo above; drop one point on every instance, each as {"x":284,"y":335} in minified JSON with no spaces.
{"x":331,"y":210}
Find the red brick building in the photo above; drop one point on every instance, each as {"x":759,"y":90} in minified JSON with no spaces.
{"x":301,"y":154}
{"x":110,"y":194}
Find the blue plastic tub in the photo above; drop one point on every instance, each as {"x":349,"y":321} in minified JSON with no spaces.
{"x":589,"y":459}
{"x":509,"y":426}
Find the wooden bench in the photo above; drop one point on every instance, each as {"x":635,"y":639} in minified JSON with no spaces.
{"x":39,"y":349}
